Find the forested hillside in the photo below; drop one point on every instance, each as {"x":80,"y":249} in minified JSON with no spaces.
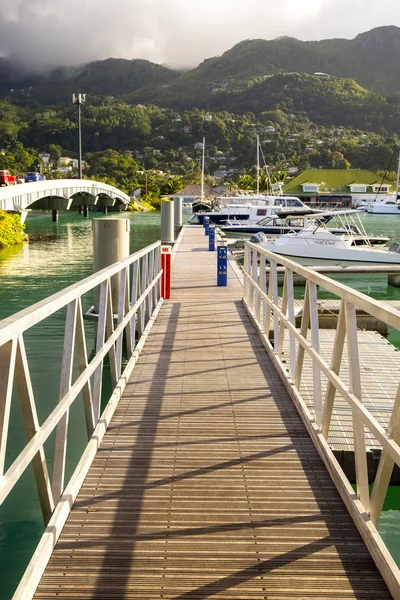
{"x":144,"y":123}
{"x":372,"y":59}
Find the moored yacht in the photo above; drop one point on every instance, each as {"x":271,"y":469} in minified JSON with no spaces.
{"x":315,"y":245}
{"x":282,"y":223}
{"x":250,"y":209}
{"x":389,"y":206}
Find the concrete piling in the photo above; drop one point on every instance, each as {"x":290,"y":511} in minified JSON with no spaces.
{"x":167,"y":222}
{"x":177,"y":215}
{"x":110,"y":245}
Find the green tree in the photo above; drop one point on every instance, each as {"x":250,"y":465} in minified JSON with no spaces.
{"x":170,"y":186}
{"x":119,"y":168}
{"x":56,"y":152}
{"x":246,"y":182}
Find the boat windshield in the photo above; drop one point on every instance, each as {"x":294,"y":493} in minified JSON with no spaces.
{"x":348,"y":220}
{"x":282,"y":222}
{"x":273,"y":221}
{"x":289,"y":202}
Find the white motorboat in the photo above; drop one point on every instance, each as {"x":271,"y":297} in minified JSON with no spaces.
{"x":292,"y":222}
{"x":250,"y":209}
{"x":315,"y":245}
{"x":389,"y":206}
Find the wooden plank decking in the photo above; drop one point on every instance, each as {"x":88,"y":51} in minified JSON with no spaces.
{"x":207,"y":484}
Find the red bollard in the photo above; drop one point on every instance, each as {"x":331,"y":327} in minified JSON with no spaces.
{"x":166,"y":272}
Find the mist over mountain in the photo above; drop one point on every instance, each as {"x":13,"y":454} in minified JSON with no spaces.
{"x":110,"y":77}
{"x":372,"y":59}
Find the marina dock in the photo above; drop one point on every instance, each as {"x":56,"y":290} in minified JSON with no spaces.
{"x":207,"y":483}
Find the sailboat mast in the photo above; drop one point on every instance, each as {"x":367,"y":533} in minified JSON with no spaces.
{"x":398,"y":178}
{"x":202,"y":167}
{"x":258,"y":166}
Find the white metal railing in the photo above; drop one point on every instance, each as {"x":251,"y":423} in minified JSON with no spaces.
{"x":272,"y":309}
{"x":137,"y":282}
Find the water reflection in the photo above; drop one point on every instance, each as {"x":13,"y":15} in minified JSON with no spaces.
{"x":35,"y":270}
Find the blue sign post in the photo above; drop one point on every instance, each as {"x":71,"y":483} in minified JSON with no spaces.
{"x":206,"y":223}
{"x":211,"y":239}
{"x":222,"y":266}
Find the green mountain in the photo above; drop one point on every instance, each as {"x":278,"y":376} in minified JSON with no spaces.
{"x":372,"y":59}
{"x":111,"y":77}
{"x":324,"y":100}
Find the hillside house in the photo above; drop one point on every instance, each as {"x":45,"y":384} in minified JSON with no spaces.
{"x":45,"y":158}
{"x":64,"y":161}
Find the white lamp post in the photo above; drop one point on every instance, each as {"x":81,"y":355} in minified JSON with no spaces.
{"x":79,"y":99}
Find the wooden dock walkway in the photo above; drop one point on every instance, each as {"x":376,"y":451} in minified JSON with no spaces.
{"x":206,"y":484}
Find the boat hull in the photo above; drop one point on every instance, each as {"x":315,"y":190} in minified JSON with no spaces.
{"x":218,"y":218}
{"x":384,"y":209}
{"x":334,"y":256}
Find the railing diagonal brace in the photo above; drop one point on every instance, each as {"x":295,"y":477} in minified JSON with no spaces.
{"x":31,"y":425}
{"x":8,"y":354}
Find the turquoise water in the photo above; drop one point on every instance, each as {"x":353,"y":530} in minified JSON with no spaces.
{"x":31,"y":272}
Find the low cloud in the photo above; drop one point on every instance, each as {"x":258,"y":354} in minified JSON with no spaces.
{"x":41,"y":34}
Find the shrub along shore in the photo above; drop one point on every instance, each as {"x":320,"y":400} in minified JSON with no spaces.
{"x":11,"y":229}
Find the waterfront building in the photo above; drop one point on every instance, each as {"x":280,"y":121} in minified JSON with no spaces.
{"x":343,"y":187}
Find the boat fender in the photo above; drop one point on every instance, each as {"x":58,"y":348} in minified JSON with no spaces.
{"x":395,"y":247}
{"x":258,"y":238}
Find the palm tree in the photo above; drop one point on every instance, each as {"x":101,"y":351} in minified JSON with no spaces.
{"x":171,"y":186}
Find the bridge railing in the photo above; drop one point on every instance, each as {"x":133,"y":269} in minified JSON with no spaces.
{"x":120,"y":336}
{"x":303,"y":363}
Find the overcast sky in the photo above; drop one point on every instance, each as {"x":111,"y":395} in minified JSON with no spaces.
{"x":176,"y":33}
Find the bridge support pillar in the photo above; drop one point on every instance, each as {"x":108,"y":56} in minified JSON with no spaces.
{"x":23,"y":215}
{"x":110,"y":245}
{"x":80,"y":210}
{"x":85,"y":210}
{"x":167,"y":222}
{"x":105,"y":210}
{"x":54,"y":215}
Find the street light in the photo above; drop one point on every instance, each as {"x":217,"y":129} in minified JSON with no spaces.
{"x":79,"y":99}
{"x":145,"y":178}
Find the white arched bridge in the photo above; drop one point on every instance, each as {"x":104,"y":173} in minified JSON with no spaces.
{"x":63,"y":194}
